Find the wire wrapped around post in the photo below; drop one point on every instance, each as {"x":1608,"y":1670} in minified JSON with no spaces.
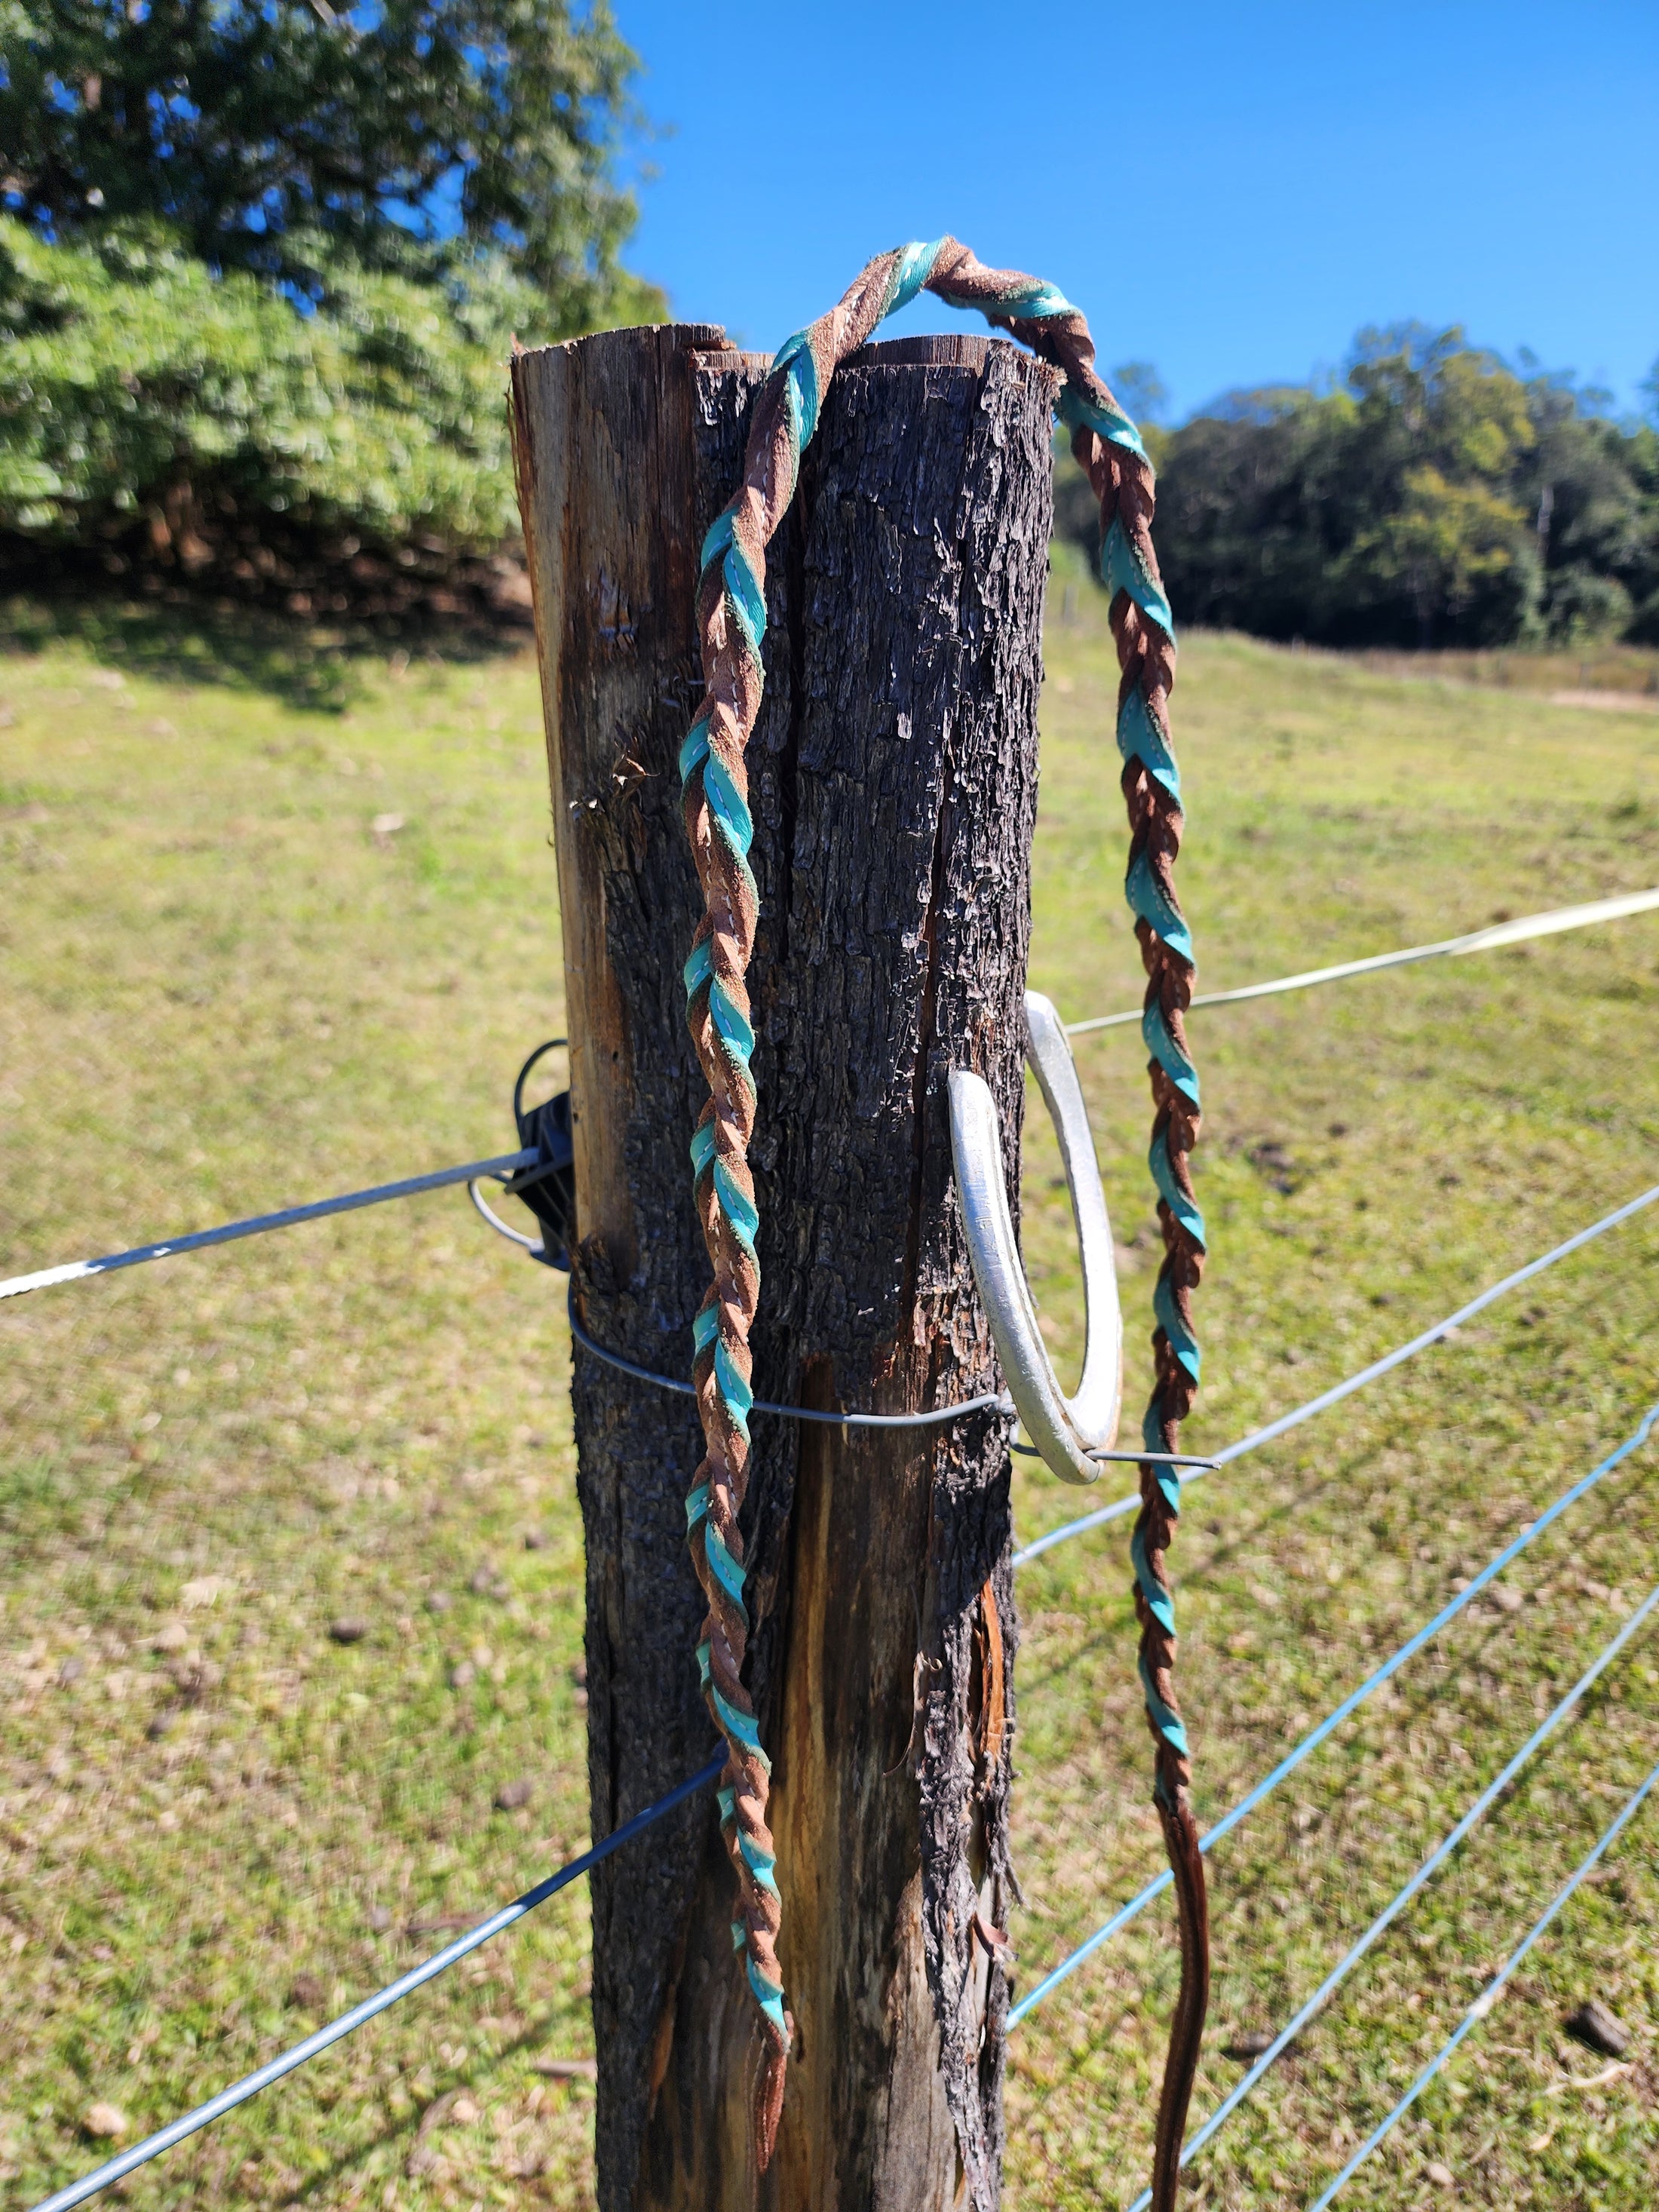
{"x":732,"y":624}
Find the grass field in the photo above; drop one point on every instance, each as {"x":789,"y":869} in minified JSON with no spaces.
{"x":285,"y":928}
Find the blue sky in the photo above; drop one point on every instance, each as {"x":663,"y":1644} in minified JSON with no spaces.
{"x":1227,"y":191}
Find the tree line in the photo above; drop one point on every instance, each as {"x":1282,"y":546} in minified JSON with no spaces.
{"x":261,"y":264}
{"x":1436,"y":497}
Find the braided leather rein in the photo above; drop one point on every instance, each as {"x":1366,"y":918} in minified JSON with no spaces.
{"x":731,"y":622}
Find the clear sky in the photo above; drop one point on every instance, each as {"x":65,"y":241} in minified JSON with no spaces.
{"x":1228,"y":191}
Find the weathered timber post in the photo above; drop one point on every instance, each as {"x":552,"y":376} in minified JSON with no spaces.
{"x":893,"y":781}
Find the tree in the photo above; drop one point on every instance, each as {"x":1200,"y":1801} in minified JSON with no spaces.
{"x":1252,"y":508}
{"x":1437,"y":495}
{"x":1441,"y":544}
{"x":261,"y":265}
{"x":1429,"y":537}
{"x":1140,"y":390}
{"x":270,"y":134}
{"x":140,"y":393}
{"x":1643,"y":583}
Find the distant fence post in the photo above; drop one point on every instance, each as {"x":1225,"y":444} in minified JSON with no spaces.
{"x":893,"y":776}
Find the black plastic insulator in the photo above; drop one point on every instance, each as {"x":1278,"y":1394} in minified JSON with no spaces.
{"x":548,"y":1189}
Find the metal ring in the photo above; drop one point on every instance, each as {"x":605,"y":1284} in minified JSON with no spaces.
{"x":1065,"y":1430}
{"x":524,"y":1073}
{"x":513,"y":1236}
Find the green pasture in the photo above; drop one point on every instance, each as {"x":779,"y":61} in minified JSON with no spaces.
{"x":275,"y":927}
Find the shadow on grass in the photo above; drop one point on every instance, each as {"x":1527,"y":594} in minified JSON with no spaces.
{"x":320,"y":668}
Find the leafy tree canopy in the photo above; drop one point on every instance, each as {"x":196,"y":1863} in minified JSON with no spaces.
{"x":273,"y":136}
{"x":261,"y":264}
{"x":140,"y":393}
{"x":1435,"y":496}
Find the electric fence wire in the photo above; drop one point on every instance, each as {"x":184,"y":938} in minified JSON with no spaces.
{"x":1475,"y":940}
{"x":1334,"y":1720}
{"x":74,"y":1270}
{"x":286,"y":2062}
{"x":240,"y":2091}
{"x":229,"y":1233}
{"x":189,"y":2124}
{"x":1346,"y":1388}
{"x":1487,"y":2000}
{"x":1391,"y":1912}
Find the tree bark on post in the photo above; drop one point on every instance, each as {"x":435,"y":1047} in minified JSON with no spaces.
{"x":893,"y":782}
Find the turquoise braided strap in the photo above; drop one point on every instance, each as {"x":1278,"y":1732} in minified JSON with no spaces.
{"x":733,"y":610}
{"x":1030,"y":301}
{"x":727,"y":1573}
{"x":768,"y":1996}
{"x":1079,"y":411}
{"x":1166,"y":1722}
{"x":1158,"y":1599}
{"x":732,"y":821}
{"x":1120,"y":571}
{"x":1157,"y":1158}
{"x":1148,"y":900}
{"x":795,"y":357}
{"x":741,"y":1725}
{"x":1139,"y":738}
{"x":913,"y":268}
{"x":1182,"y":1340}
{"x":1166,"y":1719}
{"x":761,"y":1864}
{"x":743,"y":596}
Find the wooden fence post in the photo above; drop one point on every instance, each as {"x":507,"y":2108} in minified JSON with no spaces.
{"x":893,"y":781}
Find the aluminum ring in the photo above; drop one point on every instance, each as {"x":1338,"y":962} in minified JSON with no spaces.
{"x":531,"y":1245}
{"x":1064,"y":1429}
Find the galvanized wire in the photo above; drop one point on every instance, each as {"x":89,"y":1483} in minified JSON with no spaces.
{"x":192,"y":2123}
{"x":997,"y":1401}
{"x":1475,"y":940}
{"x":74,"y":1270}
{"x":1488,"y":1997}
{"x":1345,"y":1389}
{"x":1334,"y":1720}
